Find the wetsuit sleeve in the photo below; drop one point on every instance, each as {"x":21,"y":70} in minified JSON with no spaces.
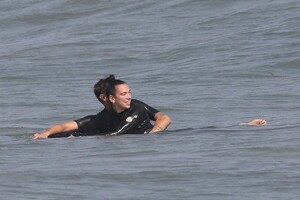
{"x":91,"y":125}
{"x":132,"y":122}
{"x":150,"y":110}
{"x":82,"y":124}
{"x":85,"y":122}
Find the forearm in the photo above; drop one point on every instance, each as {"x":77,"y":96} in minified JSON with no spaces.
{"x":162,"y":121}
{"x":69,"y":126}
{"x":55,"y":129}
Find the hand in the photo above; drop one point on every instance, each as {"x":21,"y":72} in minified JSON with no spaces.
{"x":255,"y":122}
{"x":156,"y":129}
{"x":39,"y":136}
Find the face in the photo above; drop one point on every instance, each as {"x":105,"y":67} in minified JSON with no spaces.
{"x":122,"y":98}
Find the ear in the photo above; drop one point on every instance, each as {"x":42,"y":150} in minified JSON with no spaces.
{"x":103,"y":97}
{"x":112,"y":99}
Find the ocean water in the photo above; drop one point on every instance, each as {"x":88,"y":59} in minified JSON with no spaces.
{"x":208,"y":64}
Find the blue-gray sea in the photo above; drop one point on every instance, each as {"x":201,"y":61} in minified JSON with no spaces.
{"x":208,"y":64}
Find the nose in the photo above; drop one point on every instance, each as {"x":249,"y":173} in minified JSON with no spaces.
{"x":128,"y":96}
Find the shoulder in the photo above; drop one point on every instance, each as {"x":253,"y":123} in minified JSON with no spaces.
{"x":136,"y":101}
{"x":148,"y":108}
{"x":137,"y":104}
{"x":103,"y":114}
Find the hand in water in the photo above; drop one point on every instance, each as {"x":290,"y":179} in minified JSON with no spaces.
{"x":255,"y":122}
{"x":39,"y":136}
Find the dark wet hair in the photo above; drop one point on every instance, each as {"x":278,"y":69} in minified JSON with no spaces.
{"x":101,"y":86}
{"x":111,"y":89}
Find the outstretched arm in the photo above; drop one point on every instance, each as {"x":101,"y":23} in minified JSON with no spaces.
{"x":68,"y":126}
{"x":162,"y":121}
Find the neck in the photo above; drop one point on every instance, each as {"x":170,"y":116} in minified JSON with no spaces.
{"x":107,"y":107}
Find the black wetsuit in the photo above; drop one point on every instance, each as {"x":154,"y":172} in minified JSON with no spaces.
{"x":135,"y":120}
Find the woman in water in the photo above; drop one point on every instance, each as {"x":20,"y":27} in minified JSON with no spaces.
{"x":99,"y":124}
